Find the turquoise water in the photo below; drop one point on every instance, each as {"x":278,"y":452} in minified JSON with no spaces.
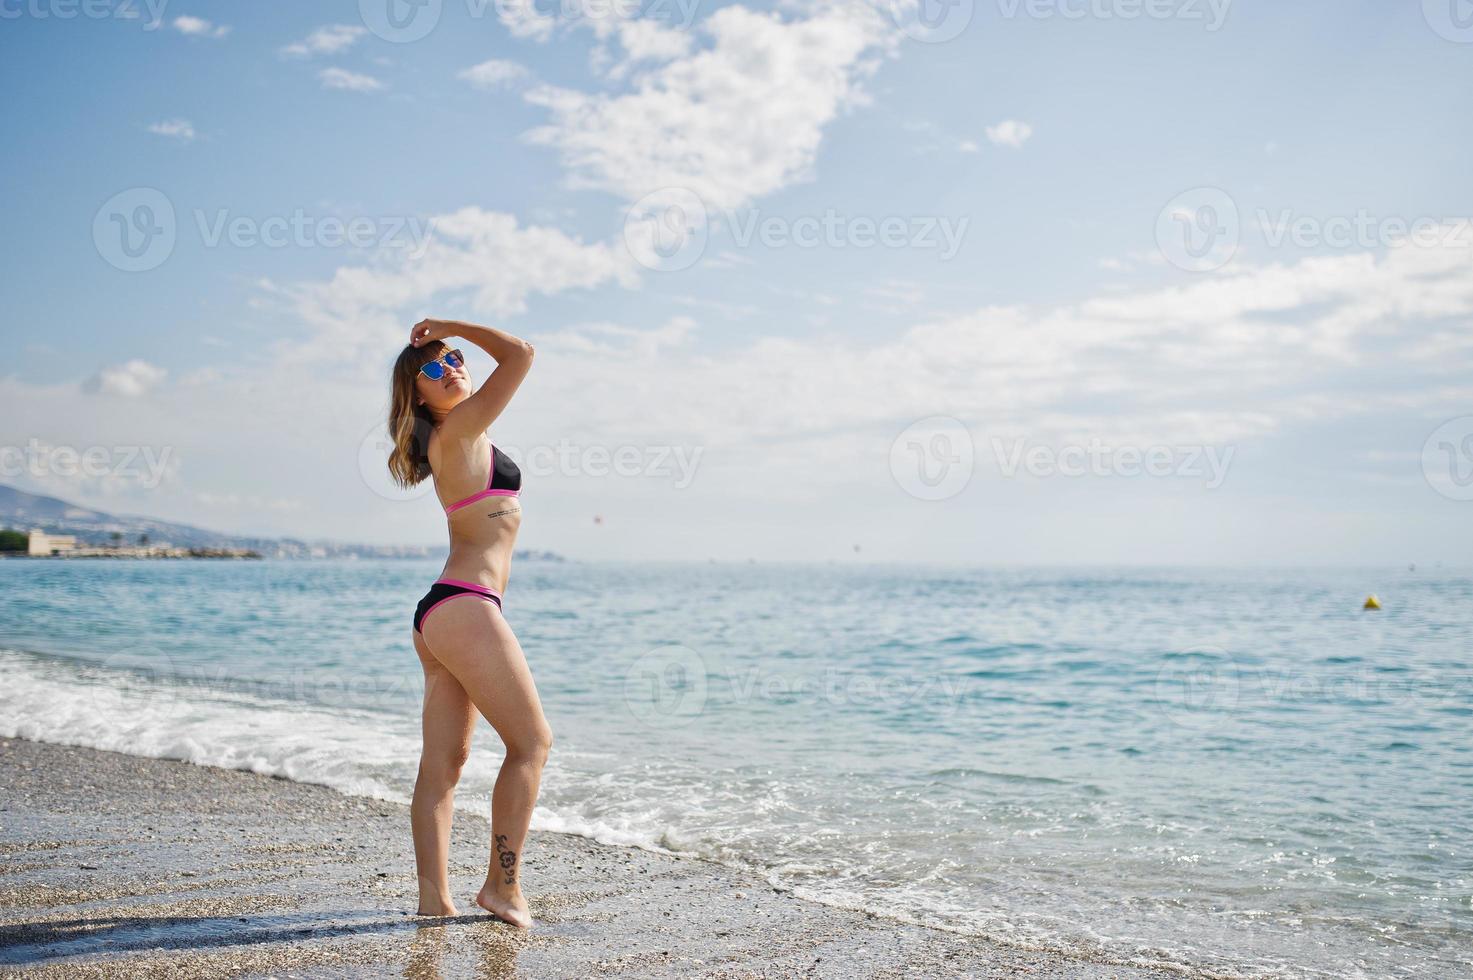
{"x":1236,"y":771}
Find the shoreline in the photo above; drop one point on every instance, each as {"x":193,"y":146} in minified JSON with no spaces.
{"x":112,"y":865}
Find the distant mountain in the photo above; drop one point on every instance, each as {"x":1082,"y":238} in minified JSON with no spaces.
{"x":22,"y":511}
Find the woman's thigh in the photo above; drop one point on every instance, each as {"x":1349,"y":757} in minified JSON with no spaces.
{"x":449,"y":717}
{"x":472,"y":640}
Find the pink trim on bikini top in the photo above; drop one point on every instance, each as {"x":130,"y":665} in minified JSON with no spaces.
{"x":488,"y":492}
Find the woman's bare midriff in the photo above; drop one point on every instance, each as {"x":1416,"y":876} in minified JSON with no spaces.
{"x":482,"y":534}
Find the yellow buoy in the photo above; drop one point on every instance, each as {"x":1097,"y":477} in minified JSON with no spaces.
{"x":1372,"y":603}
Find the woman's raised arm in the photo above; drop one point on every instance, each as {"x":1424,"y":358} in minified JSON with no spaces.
{"x":513,"y":357}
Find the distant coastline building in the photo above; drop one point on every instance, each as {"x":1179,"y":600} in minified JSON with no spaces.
{"x":41,"y":544}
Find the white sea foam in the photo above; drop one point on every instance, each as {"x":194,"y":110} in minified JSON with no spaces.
{"x":69,"y":703}
{"x":360,"y":753}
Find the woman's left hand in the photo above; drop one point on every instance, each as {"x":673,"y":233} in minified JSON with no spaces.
{"x":427,"y":330}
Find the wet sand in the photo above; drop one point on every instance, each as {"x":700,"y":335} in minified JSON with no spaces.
{"x":117,"y":866}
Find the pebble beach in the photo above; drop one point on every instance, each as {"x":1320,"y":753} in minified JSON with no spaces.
{"x":118,"y":866}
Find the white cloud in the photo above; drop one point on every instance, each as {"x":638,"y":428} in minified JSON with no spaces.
{"x":179,"y":129}
{"x":1010,"y":133}
{"x":493,"y":74}
{"x":348,"y":81}
{"x":131,"y":379}
{"x":481,"y":261}
{"x":1216,"y":361}
{"x":329,"y":40}
{"x":643,"y":41}
{"x":738,"y":119}
{"x":524,"y":20}
{"x":1219,"y":359}
{"x":648,"y":40}
{"x":198,"y":27}
{"x":612,"y":339}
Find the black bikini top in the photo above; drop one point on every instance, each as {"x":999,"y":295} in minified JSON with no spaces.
{"x":505,"y":481}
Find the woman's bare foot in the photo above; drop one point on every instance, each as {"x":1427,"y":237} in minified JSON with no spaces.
{"x":510,"y":908}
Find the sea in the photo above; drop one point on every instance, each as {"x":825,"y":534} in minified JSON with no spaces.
{"x":1233,"y":773}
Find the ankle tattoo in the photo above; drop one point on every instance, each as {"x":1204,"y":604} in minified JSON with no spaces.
{"x":507,"y":858}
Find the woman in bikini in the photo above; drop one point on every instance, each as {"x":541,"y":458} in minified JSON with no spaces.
{"x":472,"y":661}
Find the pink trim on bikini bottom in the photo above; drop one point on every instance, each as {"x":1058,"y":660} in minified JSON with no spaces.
{"x":488,"y":596}
{"x":467,"y":585}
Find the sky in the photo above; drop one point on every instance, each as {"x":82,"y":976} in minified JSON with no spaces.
{"x":982,"y":281}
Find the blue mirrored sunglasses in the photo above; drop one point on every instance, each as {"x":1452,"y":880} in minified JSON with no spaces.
{"x":435,"y":370}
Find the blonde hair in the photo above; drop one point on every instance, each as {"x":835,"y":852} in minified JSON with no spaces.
{"x":410,"y":423}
